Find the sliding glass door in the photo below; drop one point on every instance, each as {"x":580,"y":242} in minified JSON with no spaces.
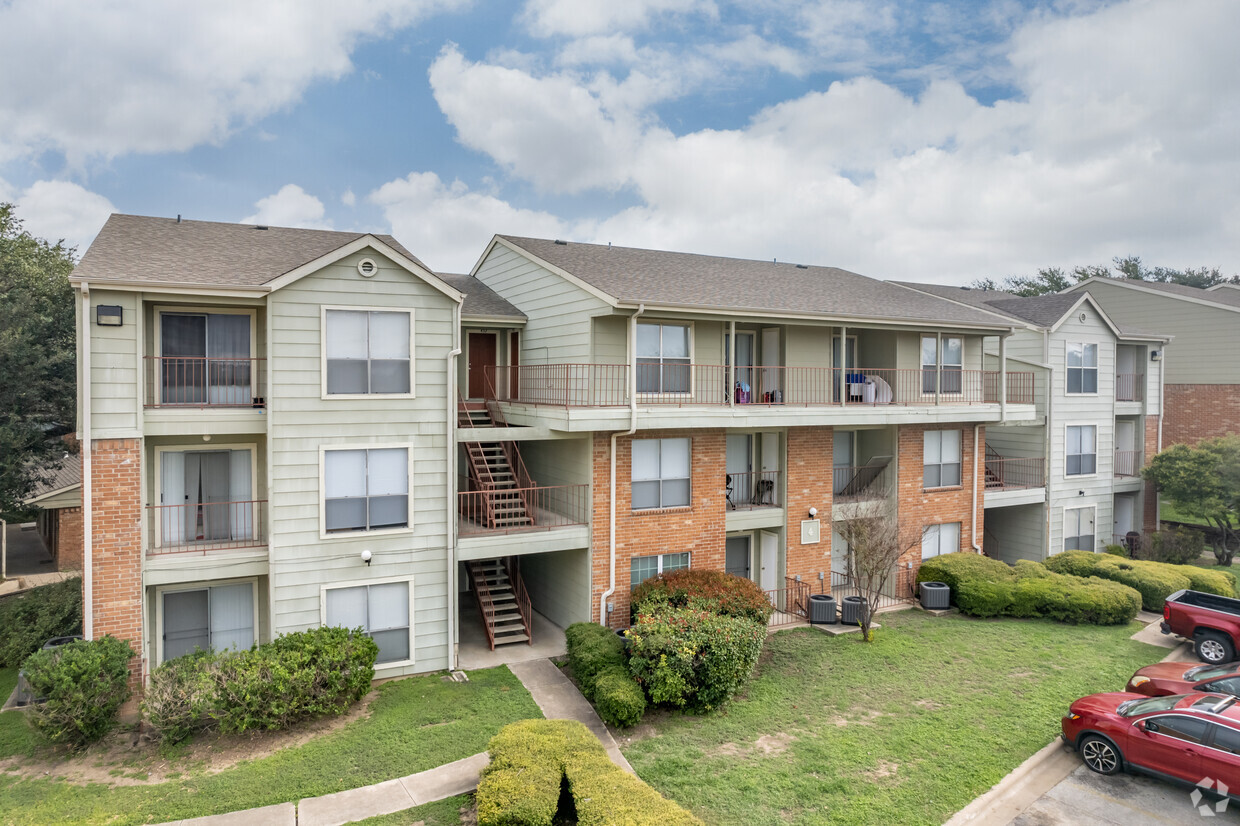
{"x":205,"y":359}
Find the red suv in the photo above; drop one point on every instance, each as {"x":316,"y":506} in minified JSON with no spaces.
{"x":1183,"y":738}
{"x":1162,"y":679}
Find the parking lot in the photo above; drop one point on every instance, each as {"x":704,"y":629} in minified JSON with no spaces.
{"x":1120,"y":800}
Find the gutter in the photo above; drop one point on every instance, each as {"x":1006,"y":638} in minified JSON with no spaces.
{"x":450,"y":526}
{"x":84,"y":388}
{"x":977,"y":548}
{"x":1046,"y":443}
{"x":632,"y":358}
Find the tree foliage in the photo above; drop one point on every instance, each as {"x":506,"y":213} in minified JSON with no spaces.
{"x":1204,"y":481}
{"x":1055,"y":279}
{"x":875,"y":545}
{"x":37,"y":373}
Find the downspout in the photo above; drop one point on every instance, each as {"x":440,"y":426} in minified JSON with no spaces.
{"x":977,"y":548}
{"x":632,"y":356}
{"x":1046,"y":441}
{"x":1003,"y":378}
{"x":84,"y":388}
{"x":450,"y":526}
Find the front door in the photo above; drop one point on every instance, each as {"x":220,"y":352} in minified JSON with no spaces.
{"x":1125,"y":511}
{"x":769,"y":547}
{"x":481,"y":357}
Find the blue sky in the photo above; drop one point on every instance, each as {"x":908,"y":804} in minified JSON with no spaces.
{"x":929,"y":141}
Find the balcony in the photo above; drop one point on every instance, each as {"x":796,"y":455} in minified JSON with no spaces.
{"x":204,"y":528}
{"x":747,"y":491}
{"x":1127,"y":463}
{"x":1129,"y":387}
{"x":1013,"y":473}
{"x":205,"y":382}
{"x":502,"y":511}
{"x":862,"y":483}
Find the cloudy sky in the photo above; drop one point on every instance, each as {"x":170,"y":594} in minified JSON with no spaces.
{"x":901,"y":139}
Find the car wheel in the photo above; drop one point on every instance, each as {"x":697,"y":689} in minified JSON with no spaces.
{"x":1214,"y":648}
{"x":1100,"y":754}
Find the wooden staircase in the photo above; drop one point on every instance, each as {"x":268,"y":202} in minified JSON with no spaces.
{"x":503,"y":602}
{"x":496,"y":470}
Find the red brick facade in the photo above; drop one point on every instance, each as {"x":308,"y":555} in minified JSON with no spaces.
{"x":810,"y":485}
{"x":1192,"y":412}
{"x":1149,"y":515}
{"x":68,"y":547}
{"x":116,"y":467}
{"x":918,"y":507}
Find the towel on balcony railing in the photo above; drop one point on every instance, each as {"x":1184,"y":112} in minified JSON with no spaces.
{"x":882,"y":390}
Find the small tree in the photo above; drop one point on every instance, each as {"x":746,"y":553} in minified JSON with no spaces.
{"x":875,"y":544}
{"x":1204,"y":481}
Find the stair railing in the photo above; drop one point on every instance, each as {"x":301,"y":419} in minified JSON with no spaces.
{"x":513,"y":565}
{"x":486,"y":604}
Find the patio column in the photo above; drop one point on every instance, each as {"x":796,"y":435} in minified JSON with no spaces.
{"x":843,"y":379}
{"x":731,"y":388}
{"x":1003,"y":378}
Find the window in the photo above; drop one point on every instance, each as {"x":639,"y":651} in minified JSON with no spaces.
{"x":1230,"y":685}
{"x":1082,"y":368}
{"x":660,"y":473}
{"x":643,"y":568}
{"x":208,"y":619}
{"x":736,"y":553}
{"x":1078,"y":529}
{"x":941,"y":458}
{"x":205,"y":359}
{"x":1082,"y":449}
{"x":662,"y":358}
{"x":949,"y":363}
{"x":1181,"y":728}
{"x":1226,"y":739}
{"x":940,"y":539}
{"x":381,"y":610}
{"x":365,"y":490}
{"x":367,"y":352}
{"x":205,"y":496}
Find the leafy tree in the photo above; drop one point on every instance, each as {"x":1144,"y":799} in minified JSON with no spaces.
{"x":1204,"y":481}
{"x":1054,"y":279}
{"x":37,"y":353}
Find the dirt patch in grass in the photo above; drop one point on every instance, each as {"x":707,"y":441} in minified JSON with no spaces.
{"x":882,"y":771}
{"x":928,"y":705}
{"x":131,"y":757}
{"x":767,"y":744}
{"x":863,"y":718}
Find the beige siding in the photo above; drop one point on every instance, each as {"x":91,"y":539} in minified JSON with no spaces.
{"x":610,"y":341}
{"x":557,"y":461}
{"x":1015,"y":533}
{"x":115,"y":409}
{"x":808,"y":346}
{"x":559,"y":585}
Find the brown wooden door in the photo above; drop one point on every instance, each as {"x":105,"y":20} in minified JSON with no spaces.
{"x":514,"y":362}
{"x":481,"y":356}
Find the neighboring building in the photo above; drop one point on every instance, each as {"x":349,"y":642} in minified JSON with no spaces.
{"x":1071,"y":478}
{"x":59,"y":502}
{"x":1202,"y":392}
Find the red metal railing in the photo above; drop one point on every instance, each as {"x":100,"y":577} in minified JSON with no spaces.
{"x":205,"y":382}
{"x":561,"y":385}
{"x":746,"y":491}
{"x":1008,"y":473}
{"x":1020,"y":387}
{"x":1129,"y":387}
{"x":896,"y":589}
{"x":1127,"y":463}
{"x":548,"y":507}
{"x":791,"y":603}
{"x":858,"y":483}
{"x":512,"y":564}
{"x":206,"y":527}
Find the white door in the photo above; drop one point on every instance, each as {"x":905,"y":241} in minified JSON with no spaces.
{"x":839,"y":555}
{"x":1125,"y":435}
{"x":769,"y":547}
{"x":770,"y":452}
{"x":1125,"y":514}
{"x":1126,"y":360}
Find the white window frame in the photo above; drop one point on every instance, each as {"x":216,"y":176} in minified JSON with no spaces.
{"x":323,"y":450}
{"x":689,"y":478}
{"x":939,"y":364}
{"x":937,"y":530}
{"x":659,"y":569}
{"x":203,"y":447}
{"x":160,"y":590}
{"x":1067,"y":370}
{"x":1063,"y":526}
{"x":690,"y":326}
{"x":413,"y":355}
{"x":1097,"y":452}
{"x":323,"y":589}
{"x":940,"y":464}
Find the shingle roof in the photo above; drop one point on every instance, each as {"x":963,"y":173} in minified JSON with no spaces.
{"x":66,"y":476}
{"x":687,"y":280}
{"x":480,"y":300}
{"x":1228,"y":297}
{"x":137,"y":248}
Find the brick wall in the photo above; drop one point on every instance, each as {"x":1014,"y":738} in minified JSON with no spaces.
{"x":116,"y":467}
{"x":918,"y":507}
{"x":698,"y":529}
{"x":68,"y":550}
{"x":810,"y":484}
{"x":1149,"y":514}
{"x":1192,"y":412}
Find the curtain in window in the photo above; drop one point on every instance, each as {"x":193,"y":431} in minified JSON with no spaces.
{"x":929,"y":362}
{"x":952,"y":371}
{"x":662,"y":358}
{"x":674,"y":472}
{"x":186,"y":624}
{"x":346,"y":607}
{"x":228,"y":359}
{"x":232,"y":616}
{"x":645,"y":473}
{"x":1081,"y":453}
{"x":183,"y":346}
{"x":344,"y":477}
{"x":241,"y":510}
{"x":347,"y":351}
{"x":389,"y":353}
{"x":387,"y":487}
{"x":172,"y":519}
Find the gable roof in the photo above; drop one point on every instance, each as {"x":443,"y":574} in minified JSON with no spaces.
{"x":1227,"y":299}
{"x":480,"y":300}
{"x":66,"y":477}
{"x":633,"y":276}
{"x":138,"y":249}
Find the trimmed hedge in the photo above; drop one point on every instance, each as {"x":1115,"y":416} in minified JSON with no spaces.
{"x":702,"y":590}
{"x":619,"y":700}
{"x":534,"y":762}
{"x":596,"y":655}
{"x":29,"y":620}
{"x":84,"y":683}
{"x":1212,"y":582}
{"x":1154,"y":580}
{"x":296,"y":677}
{"x":693,"y":659}
{"x":993,"y":589}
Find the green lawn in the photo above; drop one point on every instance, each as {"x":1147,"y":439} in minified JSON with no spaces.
{"x":16,"y":738}
{"x":414,"y":724}
{"x":907,"y":729}
{"x":440,"y":813}
{"x":1167,"y":511}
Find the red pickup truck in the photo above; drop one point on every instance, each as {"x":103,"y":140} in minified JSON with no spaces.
{"x":1210,"y":621}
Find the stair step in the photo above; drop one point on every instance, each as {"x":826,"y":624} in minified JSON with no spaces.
{"x":514,"y":638}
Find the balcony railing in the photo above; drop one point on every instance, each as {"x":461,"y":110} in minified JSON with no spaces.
{"x":1129,"y":387}
{"x":679,"y":384}
{"x":862,"y":482}
{"x":192,"y":381}
{"x":746,"y":491}
{"x":206,"y":527}
{"x":1127,"y":463}
{"x":526,"y":509}
{"x":1019,"y":473}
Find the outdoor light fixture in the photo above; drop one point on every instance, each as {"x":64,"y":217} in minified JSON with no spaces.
{"x":813,"y":512}
{"x":366,"y":558}
{"x":1155,"y":355}
{"x":109,"y":315}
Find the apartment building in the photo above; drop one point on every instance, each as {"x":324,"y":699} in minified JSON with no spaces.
{"x":1070,"y":479}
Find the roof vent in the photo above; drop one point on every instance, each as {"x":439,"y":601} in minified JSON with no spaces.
{"x":561,"y":243}
{"x":367,"y":267}
{"x":802,"y":267}
{"x":260,"y":228}
{"x":178,"y":217}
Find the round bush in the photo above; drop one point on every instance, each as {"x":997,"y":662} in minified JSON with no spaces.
{"x":84,"y":683}
{"x":954,"y":568}
{"x":181,"y":697}
{"x":592,"y":649}
{"x":619,"y":700}
{"x":1155,"y":581}
{"x":703,"y":590}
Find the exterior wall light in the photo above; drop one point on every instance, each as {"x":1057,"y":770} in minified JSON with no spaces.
{"x":366,"y":557}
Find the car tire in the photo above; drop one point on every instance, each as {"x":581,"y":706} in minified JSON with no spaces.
{"x":1214,"y":648}
{"x":1100,"y":754}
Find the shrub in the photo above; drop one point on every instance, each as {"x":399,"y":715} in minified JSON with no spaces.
{"x":1174,"y":547}
{"x":951,"y":569}
{"x":1154,"y":580}
{"x":84,"y":683}
{"x":1222,"y":583}
{"x":29,"y":620}
{"x":702,"y":590}
{"x":1117,"y":550}
{"x":181,"y":698}
{"x":693,"y":659}
{"x":534,"y":762}
{"x":591,"y":650}
{"x":619,"y":700}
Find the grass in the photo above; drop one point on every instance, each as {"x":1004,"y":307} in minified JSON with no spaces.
{"x":16,"y":737}
{"x":440,"y":813}
{"x":1167,"y":512}
{"x":907,"y":729}
{"x":414,"y":724}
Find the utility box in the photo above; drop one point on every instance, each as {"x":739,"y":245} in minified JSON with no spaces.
{"x":822,"y":609}
{"x":935,"y":596}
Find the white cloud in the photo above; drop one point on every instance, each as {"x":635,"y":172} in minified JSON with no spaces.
{"x":348,"y":198}
{"x":105,"y":79}
{"x":587,"y":17}
{"x":60,"y":210}
{"x":292,"y":206}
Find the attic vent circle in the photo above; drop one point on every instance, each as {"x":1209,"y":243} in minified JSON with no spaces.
{"x":367,"y":267}
{"x":1082,"y":317}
